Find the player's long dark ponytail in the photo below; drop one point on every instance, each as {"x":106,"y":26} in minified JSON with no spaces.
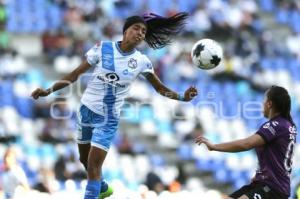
{"x":159,"y":29}
{"x":282,"y":101}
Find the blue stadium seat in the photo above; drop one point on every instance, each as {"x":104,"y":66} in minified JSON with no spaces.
{"x":39,"y":3}
{"x":157,"y":160}
{"x":184,"y":152}
{"x":47,"y":151}
{"x":128,"y":113}
{"x":164,"y":127}
{"x":229,"y":88}
{"x":238,"y":183}
{"x":203,"y":164}
{"x":279,"y":63}
{"x":7,"y":91}
{"x":112,"y":174}
{"x":294,"y":20}
{"x":160,"y":7}
{"x":242,"y":88}
{"x":139,"y":148}
{"x":235,"y":175}
{"x":12,"y":25}
{"x":145,"y":113}
{"x":266,"y":62}
{"x":282,"y":16}
{"x":24,"y":106}
{"x":267,"y":5}
{"x":221,"y":175}
{"x":53,"y":16}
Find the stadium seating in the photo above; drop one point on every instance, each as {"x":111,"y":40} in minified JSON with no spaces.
{"x":220,"y":106}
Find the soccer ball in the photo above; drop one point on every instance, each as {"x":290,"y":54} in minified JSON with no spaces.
{"x":207,"y":54}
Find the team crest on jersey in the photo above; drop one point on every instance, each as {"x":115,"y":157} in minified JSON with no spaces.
{"x":267,"y":125}
{"x":132,"y":63}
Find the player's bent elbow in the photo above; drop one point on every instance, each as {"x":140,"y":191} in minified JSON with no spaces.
{"x":245,"y":146}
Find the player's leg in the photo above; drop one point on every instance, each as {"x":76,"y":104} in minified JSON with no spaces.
{"x":84,"y":134}
{"x":102,"y":138}
{"x":95,"y":160}
{"x":84,"y":150}
{"x":85,"y":129}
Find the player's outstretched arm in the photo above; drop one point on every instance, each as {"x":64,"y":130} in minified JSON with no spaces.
{"x":234,"y":146}
{"x":189,"y":94}
{"x":65,"y":81}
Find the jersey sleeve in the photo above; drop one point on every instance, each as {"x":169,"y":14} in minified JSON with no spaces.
{"x":269,"y":131}
{"x":147,"y":66}
{"x":93,"y":55}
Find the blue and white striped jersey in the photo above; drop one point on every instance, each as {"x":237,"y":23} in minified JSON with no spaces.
{"x":114,"y":72}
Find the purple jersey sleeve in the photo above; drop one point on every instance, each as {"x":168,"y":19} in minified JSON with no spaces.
{"x":269,"y":131}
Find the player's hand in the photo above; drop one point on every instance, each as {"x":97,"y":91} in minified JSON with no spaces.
{"x":39,"y":93}
{"x":190,"y":93}
{"x":199,"y":140}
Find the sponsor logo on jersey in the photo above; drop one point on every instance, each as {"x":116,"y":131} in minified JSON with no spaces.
{"x":112,"y":79}
{"x":270,"y":128}
{"x":275,"y":123}
{"x":127,"y":72}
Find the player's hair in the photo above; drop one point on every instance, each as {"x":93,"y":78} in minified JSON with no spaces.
{"x":159,"y":29}
{"x":282,"y":101}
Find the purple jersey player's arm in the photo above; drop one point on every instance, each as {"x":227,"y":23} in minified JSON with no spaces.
{"x":65,"y":81}
{"x":234,"y":146}
{"x":189,"y":94}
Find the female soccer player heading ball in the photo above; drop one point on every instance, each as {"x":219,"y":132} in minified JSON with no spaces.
{"x":274,"y":144}
{"x":116,"y":65}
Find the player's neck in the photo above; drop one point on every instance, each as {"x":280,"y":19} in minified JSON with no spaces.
{"x":126,"y":47}
{"x":273,"y":114}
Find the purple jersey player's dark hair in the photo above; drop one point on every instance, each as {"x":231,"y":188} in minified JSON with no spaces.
{"x":282,"y":101}
{"x":159,"y":29}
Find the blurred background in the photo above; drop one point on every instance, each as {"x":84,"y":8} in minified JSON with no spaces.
{"x":153,"y":155}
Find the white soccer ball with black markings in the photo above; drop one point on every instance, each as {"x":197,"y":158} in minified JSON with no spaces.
{"x":207,"y":54}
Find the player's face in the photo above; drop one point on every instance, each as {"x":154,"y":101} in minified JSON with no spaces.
{"x":136,"y":33}
{"x":267,"y":105}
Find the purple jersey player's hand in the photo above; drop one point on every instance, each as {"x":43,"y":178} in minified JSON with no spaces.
{"x":199,"y":140}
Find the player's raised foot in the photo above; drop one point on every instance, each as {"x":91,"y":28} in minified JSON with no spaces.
{"x":106,"y":192}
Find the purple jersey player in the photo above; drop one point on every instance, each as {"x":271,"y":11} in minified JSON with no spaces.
{"x":274,"y":144}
